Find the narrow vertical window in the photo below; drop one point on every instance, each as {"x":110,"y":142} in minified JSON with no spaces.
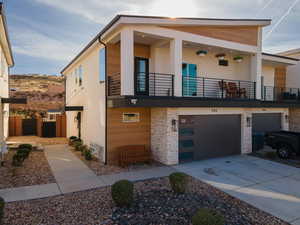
{"x":102,"y":65}
{"x":80,"y":75}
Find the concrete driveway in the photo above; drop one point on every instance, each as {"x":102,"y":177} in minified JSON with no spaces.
{"x":269,"y":186}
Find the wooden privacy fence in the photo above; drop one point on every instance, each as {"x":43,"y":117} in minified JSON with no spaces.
{"x":16,"y":124}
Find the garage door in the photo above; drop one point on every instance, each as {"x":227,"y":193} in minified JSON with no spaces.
{"x":264,"y":122}
{"x":209,"y":136}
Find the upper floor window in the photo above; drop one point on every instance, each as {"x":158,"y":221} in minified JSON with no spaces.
{"x":80,"y":72}
{"x":102,"y":65}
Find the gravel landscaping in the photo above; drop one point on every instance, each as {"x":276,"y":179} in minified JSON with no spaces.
{"x":154,"y":204}
{"x":102,"y":169}
{"x":35,"y":170}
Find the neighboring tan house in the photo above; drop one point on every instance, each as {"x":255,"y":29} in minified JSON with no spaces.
{"x":293,"y":81}
{"x":6,"y":61}
{"x":186,"y":88}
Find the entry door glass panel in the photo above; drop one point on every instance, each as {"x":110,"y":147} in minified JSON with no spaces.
{"x":189,"y":73}
{"x":141,"y":76}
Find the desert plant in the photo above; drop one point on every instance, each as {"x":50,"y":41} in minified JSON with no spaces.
{"x":207,"y":217}
{"x":122,"y":193}
{"x":25,"y":146}
{"x":2,"y":205}
{"x":88,"y":154}
{"x":178,"y":182}
{"x":17,"y":160}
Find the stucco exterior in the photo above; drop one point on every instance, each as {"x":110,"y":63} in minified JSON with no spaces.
{"x":91,"y":95}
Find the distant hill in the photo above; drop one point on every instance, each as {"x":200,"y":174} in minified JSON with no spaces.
{"x":43,"y":92}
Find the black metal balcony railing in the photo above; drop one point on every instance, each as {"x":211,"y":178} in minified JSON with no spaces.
{"x":280,"y":94}
{"x":161,"y":84}
{"x":218,"y":88}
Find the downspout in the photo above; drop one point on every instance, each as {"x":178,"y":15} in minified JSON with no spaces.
{"x":106,"y":93}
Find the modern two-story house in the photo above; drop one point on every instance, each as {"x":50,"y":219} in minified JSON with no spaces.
{"x":6,"y":61}
{"x":186,"y":88}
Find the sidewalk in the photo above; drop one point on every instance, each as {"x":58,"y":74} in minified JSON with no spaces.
{"x":73,"y":175}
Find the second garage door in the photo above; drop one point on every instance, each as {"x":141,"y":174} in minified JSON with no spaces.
{"x":209,"y":136}
{"x":265,"y":122}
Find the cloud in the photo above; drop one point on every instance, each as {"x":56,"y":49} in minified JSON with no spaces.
{"x":35,"y":44}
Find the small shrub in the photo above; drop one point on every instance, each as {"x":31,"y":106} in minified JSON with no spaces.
{"x":72,"y":139}
{"x":77,"y":145}
{"x":83,"y":148}
{"x":122,"y":193}
{"x":23,"y":153}
{"x":207,"y":217}
{"x":88,"y":154}
{"x":26,"y":146}
{"x":178,"y":182}
{"x":17,"y":160}
{"x":271,"y":155}
{"x":2,"y":205}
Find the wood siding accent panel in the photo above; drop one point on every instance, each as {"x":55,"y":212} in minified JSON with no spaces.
{"x":15,"y":126}
{"x":280,"y":77}
{"x":114,"y":61}
{"x":240,"y":34}
{"x":122,"y":134}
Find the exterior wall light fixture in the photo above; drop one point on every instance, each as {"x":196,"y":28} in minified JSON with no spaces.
{"x":174,"y":125}
{"x":249,"y":121}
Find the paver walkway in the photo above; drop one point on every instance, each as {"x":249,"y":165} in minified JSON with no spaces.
{"x":73,"y":175}
{"x":269,"y":186}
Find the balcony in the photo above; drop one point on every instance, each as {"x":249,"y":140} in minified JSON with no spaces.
{"x":281,"y":94}
{"x":218,"y":88}
{"x":146,"y":84}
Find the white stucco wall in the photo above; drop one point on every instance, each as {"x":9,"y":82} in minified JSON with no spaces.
{"x":293,"y":73}
{"x":164,"y":139}
{"x":91,"y":95}
{"x":4,"y":93}
{"x":207,"y":66}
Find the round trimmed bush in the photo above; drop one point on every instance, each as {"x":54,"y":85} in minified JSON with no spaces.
{"x":2,"y":205}
{"x":122,"y":193}
{"x":77,"y":145}
{"x":178,"y":182}
{"x":17,"y":160}
{"x":88,"y":154}
{"x":24,"y":153}
{"x":207,"y":217}
{"x":26,"y":146}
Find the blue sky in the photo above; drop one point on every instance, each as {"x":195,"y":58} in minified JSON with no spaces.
{"x":47,"y":34}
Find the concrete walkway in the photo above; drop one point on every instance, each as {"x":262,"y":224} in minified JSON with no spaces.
{"x":269,"y":186}
{"x":73,"y":175}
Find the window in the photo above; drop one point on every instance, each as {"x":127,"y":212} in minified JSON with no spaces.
{"x":102,"y":65}
{"x":80,"y":72}
{"x":131,"y":117}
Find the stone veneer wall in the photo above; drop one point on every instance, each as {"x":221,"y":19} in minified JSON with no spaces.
{"x":294,"y":119}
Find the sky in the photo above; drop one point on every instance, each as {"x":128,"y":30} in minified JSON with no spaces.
{"x":47,"y":34}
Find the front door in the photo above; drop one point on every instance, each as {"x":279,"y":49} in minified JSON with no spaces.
{"x":189,"y":76}
{"x":141,"y":76}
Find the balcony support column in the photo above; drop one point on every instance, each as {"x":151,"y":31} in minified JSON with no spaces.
{"x":127,"y":62}
{"x":256,"y":73}
{"x":176,"y":65}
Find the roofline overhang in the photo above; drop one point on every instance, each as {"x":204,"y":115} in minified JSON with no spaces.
{"x":131,"y":19}
{"x":2,"y":13}
{"x":279,"y":59}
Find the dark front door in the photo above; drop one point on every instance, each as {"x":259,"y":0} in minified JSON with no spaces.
{"x":29,"y":126}
{"x":141,"y":76}
{"x":209,"y":136}
{"x":49,"y":129}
